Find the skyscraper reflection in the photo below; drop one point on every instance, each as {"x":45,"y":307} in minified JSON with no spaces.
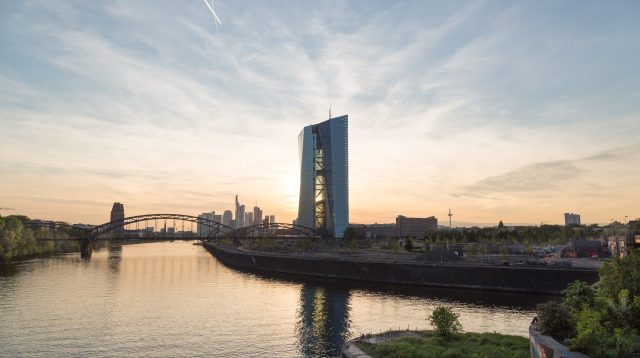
{"x":323,"y":321}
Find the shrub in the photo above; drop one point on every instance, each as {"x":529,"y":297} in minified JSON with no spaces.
{"x":445,"y":321}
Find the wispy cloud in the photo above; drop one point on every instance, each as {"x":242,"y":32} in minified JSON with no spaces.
{"x":532,"y":177}
{"x":139,"y":101}
{"x":551,"y":176}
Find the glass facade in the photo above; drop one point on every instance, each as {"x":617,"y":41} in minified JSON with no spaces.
{"x":324,"y":177}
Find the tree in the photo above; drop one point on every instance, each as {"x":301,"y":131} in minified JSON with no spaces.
{"x":445,"y":321}
{"x":350,"y":233}
{"x":620,"y":274}
{"x":554,"y":320}
{"x":500,"y":225}
{"x":577,"y":295}
{"x":353,"y":245}
{"x":592,"y":337}
{"x":408,"y":245}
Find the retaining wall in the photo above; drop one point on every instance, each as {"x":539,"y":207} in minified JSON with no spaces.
{"x":544,"y":280}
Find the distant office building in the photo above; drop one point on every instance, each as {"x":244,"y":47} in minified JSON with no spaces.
{"x":227,"y":217}
{"x":240,"y":217}
{"x":324,"y":177}
{"x":117,"y":214}
{"x":415,"y":226}
{"x":240,"y":211}
{"x":265,"y":221}
{"x":380,"y":230}
{"x":248,"y":219}
{"x":571,"y":219}
{"x":257,"y":215}
{"x":272,"y":219}
{"x":204,"y":227}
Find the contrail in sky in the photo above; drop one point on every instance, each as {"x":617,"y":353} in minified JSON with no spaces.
{"x":213,"y":12}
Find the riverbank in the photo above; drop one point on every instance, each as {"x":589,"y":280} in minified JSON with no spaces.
{"x":44,"y":250}
{"x":427,"y":344}
{"x":527,"y":279}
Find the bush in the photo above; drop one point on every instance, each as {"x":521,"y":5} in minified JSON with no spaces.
{"x":445,"y":321}
{"x":554,"y":320}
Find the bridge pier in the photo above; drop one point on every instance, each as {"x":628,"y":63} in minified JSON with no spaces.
{"x":86,"y":248}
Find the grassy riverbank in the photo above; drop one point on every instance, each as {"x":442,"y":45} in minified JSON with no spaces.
{"x":428,"y":344}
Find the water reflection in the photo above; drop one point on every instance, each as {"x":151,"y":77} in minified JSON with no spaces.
{"x":175,"y":299}
{"x":323,"y":320}
{"x":114,"y":257}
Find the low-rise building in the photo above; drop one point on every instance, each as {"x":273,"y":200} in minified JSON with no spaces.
{"x":417,"y":227}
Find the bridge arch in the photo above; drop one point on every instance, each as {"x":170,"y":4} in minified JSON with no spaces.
{"x":215,"y":228}
{"x":273,"y":230}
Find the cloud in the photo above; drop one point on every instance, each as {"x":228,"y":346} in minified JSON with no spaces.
{"x":618,"y":153}
{"x":549,"y":176}
{"x":532,"y":177}
{"x":135,"y":100}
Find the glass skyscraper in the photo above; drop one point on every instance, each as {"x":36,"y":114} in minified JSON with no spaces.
{"x":324,"y":177}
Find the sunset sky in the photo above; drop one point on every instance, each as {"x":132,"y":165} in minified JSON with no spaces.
{"x":500,"y":110}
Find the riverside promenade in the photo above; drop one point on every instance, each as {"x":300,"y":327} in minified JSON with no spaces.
{"x":387,"y":269}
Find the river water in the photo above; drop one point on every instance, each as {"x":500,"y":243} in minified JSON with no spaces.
{"x":176,"y":300}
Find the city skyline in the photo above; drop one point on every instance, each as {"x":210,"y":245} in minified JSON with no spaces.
{"x":515,"y":112}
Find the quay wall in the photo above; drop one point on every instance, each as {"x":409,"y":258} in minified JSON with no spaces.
{"x":544,"y":280}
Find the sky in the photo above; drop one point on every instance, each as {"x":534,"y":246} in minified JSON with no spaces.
{"x":513,"y":111}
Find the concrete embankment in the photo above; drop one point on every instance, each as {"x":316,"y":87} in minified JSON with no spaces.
{"x":545,"y":280}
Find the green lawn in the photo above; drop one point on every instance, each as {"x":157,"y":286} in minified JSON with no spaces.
{"x":462,"y":345}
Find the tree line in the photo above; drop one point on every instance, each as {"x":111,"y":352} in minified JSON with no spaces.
{"x":533,"y":235}
{"x":18,"y":239}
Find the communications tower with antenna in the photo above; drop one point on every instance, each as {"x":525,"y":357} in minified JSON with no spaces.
{"x":450,"y":215}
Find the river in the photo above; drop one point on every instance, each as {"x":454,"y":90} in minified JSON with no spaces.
{"x":173,"y":299}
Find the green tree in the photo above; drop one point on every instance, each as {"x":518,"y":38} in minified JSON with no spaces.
{"x":620,"y":274}
{"x":554,"y":320}
{"x":445,"y":321}
{"x":592,"y":337}
{"x":408,"y":245}
{"x":577,"y":295}
{"x":350,"y":233}
{"x":353,"y":245}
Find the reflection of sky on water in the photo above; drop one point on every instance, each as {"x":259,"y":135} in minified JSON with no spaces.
{"x":175,"y":299}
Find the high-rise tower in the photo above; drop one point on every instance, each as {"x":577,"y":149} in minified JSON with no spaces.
{"x":117,"y":214}
{"x":324,"y":177}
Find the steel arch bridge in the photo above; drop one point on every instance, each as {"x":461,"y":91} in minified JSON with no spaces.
{"x":215,"y":229}
{"x":273,"y":230}
{"x":88,"y":236}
